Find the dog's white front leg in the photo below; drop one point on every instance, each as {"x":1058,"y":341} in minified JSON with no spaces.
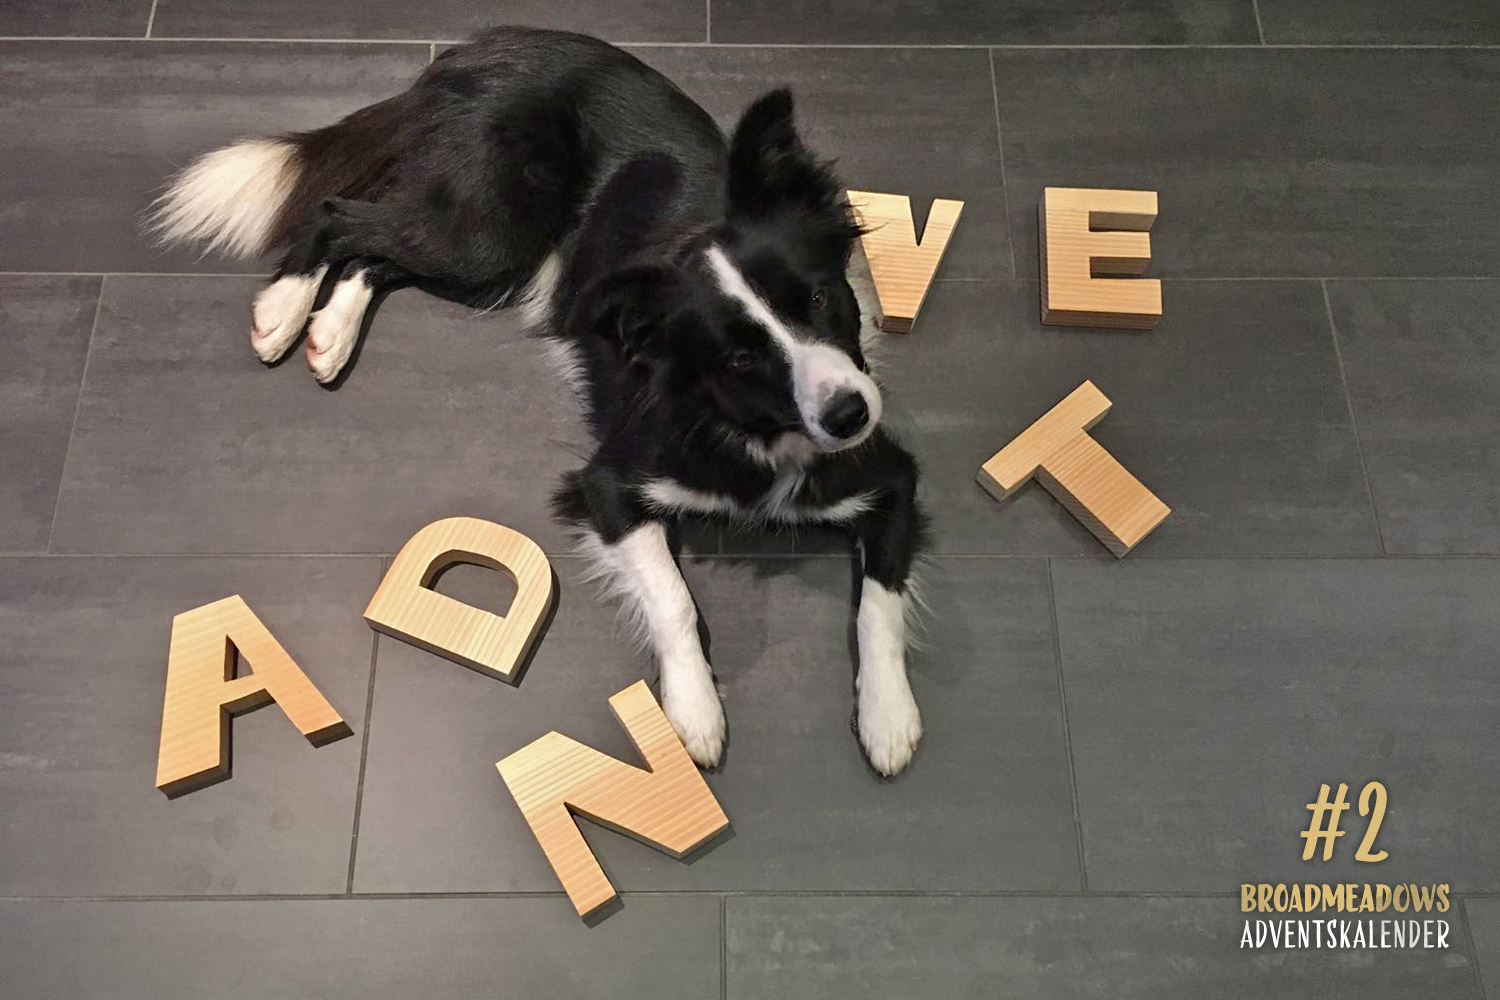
{"x":640,"y":567}
{"x":889,"y":723}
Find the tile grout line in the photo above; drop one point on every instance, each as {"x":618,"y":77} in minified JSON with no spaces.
{"x":197,"y":555}
{"x":939,"y":280}
{"x":1463,"y":908}
{"x":364,"y":752}
{"x":1062,"y":699}
{"x":1260,"y":29}
{"x":956,"y":46}
{"x":431,"y":53}
{"x":392,"y":42}
{"x":724,"y":947}
{"x":1359,"y":446}
{"x":151,"y":19}
{"x":571,"y":556}
{"x":708,"y":22}
{"x":135,"y":274}
{"x":1010,"y":230}
{"x":1324,"y":277}
{"x":88,"y":355}
{"x":558,"y":894}
{"x":1022,"y":47}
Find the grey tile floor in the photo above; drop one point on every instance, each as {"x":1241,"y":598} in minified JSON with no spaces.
{"x":1112,"y":747}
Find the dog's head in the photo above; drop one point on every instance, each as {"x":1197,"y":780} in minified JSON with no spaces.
{"x":756,"y":323}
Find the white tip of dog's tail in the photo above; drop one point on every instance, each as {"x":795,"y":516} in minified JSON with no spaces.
{"x":228,"y":200}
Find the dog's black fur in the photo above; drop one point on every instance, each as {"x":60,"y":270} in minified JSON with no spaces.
{"x":554,"y":168}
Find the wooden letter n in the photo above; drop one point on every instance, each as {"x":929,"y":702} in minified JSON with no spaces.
{"x":669,"y":806}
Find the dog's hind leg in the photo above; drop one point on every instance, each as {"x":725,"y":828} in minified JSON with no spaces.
{"x":335,"y":328}
{"x":416,"y":238}
{"x":282,"y":307}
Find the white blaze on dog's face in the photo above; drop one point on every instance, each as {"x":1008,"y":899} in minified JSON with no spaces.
{"x":806,"y":337}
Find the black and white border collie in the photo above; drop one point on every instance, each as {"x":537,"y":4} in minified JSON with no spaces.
{"x":695,"y":292}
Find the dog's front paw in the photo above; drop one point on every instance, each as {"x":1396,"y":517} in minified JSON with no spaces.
{"x":695,"y":712}
{"x":890,"y":726}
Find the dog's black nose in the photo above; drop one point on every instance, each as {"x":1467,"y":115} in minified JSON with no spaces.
{"x":845,"y":415}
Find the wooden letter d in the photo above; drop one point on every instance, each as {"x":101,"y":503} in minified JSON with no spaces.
{"x":406,"y":607}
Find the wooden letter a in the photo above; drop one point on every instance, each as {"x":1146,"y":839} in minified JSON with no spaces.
{"x":203,"y":693}
{"x":406,"y":607}
{"x":669,"y":806}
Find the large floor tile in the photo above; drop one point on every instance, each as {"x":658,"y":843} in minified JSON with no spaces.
{"x":1484,"y":924}
{"x":122,"y":18}
{"x":1269,"y":162}
{"x":1209,"y":700}
{"x":94,"y":130}
{"x":985,"y":804}
{"x":1056,"y":22}
{"x":44,"y":340}
{"x":372,"y":949}
{"x":453,"y":20}
{"x":913,"y":122}
{"x":1109,"y":949}
{"x":1423,"y":364}
{"x":83,"y":656}
{"x":1354,"y":22}
{"x":186,"y":443}
{"x":1231,"y":411}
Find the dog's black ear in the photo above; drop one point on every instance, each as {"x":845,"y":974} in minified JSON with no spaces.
{"x":625,"y":308}
{"x":766,"y":135}
{"x":626,"y":212}
{"x":769,"y":168}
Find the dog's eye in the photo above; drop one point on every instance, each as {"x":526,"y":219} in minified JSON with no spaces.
{"x":741,"y":361}
{"x":819,"y":298}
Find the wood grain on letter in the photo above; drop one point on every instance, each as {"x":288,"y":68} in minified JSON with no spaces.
{"x":669,"y":806}
{"x":1088,"y":232}
{"x":406,"y":607}
{"x":1095,"y":488}
{"x":901,"y":267}
{"x":203,"y":693}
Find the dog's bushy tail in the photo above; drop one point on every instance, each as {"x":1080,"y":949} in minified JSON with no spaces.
{"x":252,"y":195}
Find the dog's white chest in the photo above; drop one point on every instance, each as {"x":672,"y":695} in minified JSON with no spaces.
{"x":779,"y":503}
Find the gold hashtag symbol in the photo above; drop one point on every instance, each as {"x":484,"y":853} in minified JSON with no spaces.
{"x":1315,"y":829}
